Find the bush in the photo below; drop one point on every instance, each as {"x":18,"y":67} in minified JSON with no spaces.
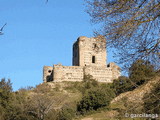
{"x":42,"y":88}
{"x":5,"y":93}
{"x":122,"y":84}
{"x":93,"y":100}
{"x":140,"y":72}
{"x":88,"y":83}
{"x":67,"y":114}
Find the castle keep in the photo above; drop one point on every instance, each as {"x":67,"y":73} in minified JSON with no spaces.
{"x":89,"y":58}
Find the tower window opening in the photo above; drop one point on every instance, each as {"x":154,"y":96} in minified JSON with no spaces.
{"x":93,"y":59}
{"x":49,"y":71}
{"x":95,"y":45}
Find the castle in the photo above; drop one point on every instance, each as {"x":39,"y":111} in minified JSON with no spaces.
{"x":89,"y":58}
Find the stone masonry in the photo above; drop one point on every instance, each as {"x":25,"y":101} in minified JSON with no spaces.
{"x":89,"y":58}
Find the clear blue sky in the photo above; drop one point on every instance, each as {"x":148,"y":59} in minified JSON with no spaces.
{"x":39,"y":34}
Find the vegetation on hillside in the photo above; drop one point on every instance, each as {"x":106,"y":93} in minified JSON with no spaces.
{"x":152,"y":100}
{"x":73,"y":100}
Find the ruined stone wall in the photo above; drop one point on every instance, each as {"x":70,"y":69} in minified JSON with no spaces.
{"x":60,"y":73}
{"x":115,"y":70}
{"x":101,"y":74}
{"x":47,"y":73}
{"x":67,"y":73}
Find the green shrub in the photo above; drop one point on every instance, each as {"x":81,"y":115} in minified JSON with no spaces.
{"x":5,"y":93}
{"x":88,"y":83}
{"x":67,"y":114}
{"x":42,"y":88}
{"x":140,"y":72}
{"x":122,"y":84}
{"x":94,"y":99}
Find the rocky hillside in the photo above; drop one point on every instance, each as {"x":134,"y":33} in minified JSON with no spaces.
{"x":137,"y":95}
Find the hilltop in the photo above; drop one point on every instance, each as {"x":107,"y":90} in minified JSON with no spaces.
{"x":86,"y":100}
{"x":68,"y":94}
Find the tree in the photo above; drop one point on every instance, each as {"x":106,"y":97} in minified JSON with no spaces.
{"x":94,"y":99}
{"x":132,"y":27}
{"x":67,"y":113}
{"x":141,"y":71}
{"x":89,"y":82}
{"x":17,"y":109}
{"x":6,"y":98}
{"x":122,"y":84}
{"x":5,"y":92}
{"x":39,"y":106}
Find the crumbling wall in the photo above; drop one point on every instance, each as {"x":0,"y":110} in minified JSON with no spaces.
{"x":60,"y":73}
{"x":115,"y":70}
{"x":67,"y":73}
{"x":101,"y":74}
{"x":47,"y":74}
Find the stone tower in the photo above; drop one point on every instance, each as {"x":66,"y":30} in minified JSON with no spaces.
{"x":89,"y":51}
